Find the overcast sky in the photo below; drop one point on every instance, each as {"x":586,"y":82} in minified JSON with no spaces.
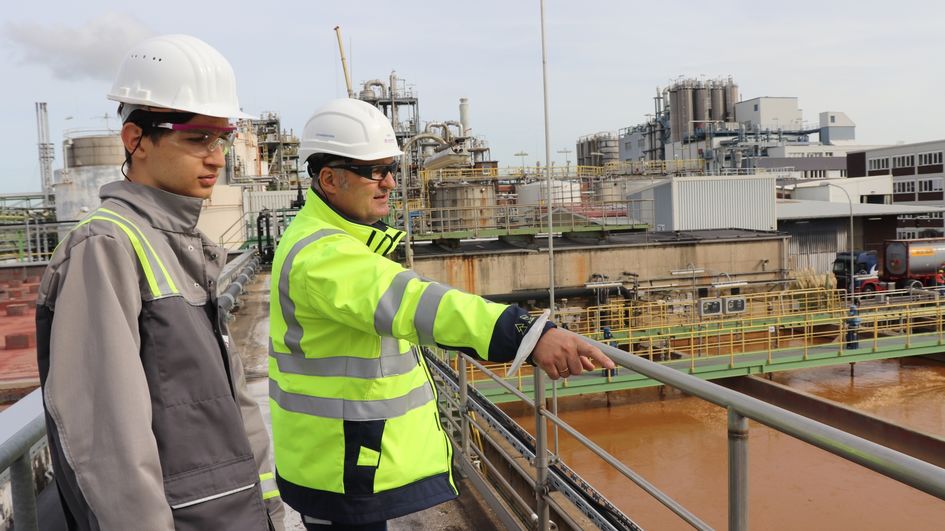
{"x":880,"y":62}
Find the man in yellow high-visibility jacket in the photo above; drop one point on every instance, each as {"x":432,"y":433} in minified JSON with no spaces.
{"x":356,"y":432}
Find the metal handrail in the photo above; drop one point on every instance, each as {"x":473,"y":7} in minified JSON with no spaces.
{"x":651,"y":489}
{"x":22,"y":426}
{"x":908,"y":470}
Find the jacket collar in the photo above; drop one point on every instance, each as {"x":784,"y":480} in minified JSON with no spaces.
{"x":163,"y":210}
{"x":379,"y":237}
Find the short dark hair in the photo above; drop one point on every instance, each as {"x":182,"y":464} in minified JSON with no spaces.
{"x":317,"y":161}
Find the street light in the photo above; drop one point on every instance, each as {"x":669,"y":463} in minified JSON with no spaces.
{"x":851,"y":282}
{"x":522,"y":154}
{"x":690,"y":270}
{"x":567,"y":160}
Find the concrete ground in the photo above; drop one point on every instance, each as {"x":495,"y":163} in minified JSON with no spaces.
{"x":249,"y":332}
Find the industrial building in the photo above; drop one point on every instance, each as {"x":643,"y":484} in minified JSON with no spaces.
{"x":708,"y":121}
{"x":917,"y":175}
{"x":598,"y":149}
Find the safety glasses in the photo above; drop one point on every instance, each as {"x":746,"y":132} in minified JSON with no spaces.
{"x":202,"y":140}
{"x":374,"y":172}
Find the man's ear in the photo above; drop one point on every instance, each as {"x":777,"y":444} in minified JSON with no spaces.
{"x":329,"y":179}
{"x":131,"y":136}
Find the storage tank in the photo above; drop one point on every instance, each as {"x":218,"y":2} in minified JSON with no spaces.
{"x":610,"y":190}
{"x":77,"y":189}
{"x":674,"y":113}
{"x":912,"y":259}
{"x":684,"y":111}
{"x":562,"y":193}
{"x":700,"y":104}
{"x":93,"y":150}
{"x":90,"y":162}
{"x":462,"y":207}
{"x":717,"y":95}
{"x":731,"y":98}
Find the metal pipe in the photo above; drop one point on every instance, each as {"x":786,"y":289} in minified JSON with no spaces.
{"x":550,"y":205}
{"x":457,"y":125}
{"x":375,"y":83}
{"x":24,"y":496}
{"x":541,"y":453}
{"x":441,"y":126}
{"x":344,"y":63}
{"x":502,"y":383}
{"x":463,"y":409}
{"x":22,"y":426}
{"x":737,"y":471}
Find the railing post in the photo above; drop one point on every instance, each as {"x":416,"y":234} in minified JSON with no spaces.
{"x":908,"y":327}
{"x":24,"y":496}
{"x":938,"y":316}
{"x":541,"y":453}
{"x":463,"y":406}
{"x":737,"y":471}
{"x":876,"y":332}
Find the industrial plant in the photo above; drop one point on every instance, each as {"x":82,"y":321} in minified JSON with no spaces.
{"x":721,"y":237}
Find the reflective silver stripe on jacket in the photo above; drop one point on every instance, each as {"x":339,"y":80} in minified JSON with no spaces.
{"x":293,"y":333}
{"x":212,"y":497}
{"x":390,"y":302}
{"x":425,"y":317}
{"x":392,"y":362}
{"x":339,"y":408}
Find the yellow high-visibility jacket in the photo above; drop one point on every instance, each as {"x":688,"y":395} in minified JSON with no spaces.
{"x":355,"y":426}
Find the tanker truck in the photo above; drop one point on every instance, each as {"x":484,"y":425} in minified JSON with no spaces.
{"x":906,"y":264}
{"x":912,"y":263}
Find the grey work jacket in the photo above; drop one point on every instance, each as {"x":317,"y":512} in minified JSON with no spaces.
{"x":149,"y":421}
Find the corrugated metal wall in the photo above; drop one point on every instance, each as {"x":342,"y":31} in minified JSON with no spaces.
{"x":738,"y":202}
{"x":814,"y":245}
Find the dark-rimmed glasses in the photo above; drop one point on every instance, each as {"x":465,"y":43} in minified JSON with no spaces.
{"x":374,"y":172}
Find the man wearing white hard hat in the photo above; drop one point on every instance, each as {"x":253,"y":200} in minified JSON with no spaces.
{"x":355,"y":426}
{"x":149,"y":421}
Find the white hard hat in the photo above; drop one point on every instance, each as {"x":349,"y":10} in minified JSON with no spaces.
{"x":349,"y":128}
{"x":178,"y":72}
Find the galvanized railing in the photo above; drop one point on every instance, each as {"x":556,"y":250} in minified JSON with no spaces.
{"x":21,"y":427}
{"x":499,"y":220}
{"x":898,"y":466}
{"x":23,"y":424}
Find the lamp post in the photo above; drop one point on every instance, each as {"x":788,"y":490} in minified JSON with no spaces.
{"x":567,"y":161}
{"x":404,"y":175}
{"x":522,"y":154}
{"x":690,"y":270}
{"x":851,"y":282}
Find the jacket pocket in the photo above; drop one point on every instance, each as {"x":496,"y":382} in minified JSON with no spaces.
{"x":240,"y":509}
{"x":362,"y":454}
{"x":224,"y":496}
